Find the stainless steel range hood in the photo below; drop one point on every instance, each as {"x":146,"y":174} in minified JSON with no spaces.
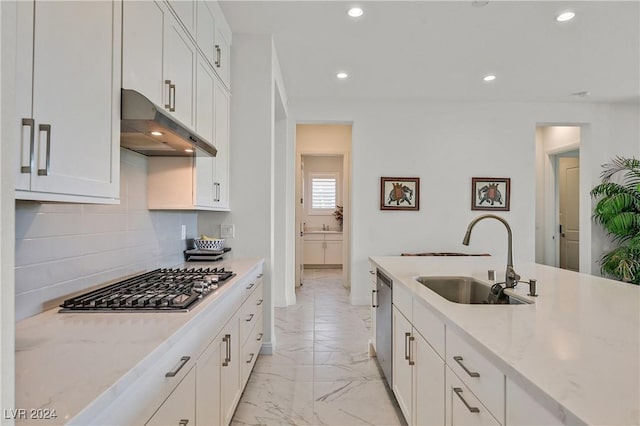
{"x":146,"y":128}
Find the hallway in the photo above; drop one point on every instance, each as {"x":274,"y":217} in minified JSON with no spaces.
{"x":321,"y":373}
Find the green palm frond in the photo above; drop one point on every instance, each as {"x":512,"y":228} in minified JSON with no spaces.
{"x":618,"y":211}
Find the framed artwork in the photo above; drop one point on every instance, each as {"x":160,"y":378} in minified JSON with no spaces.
{"x":399,"y":193}
{"x":490,"y":193}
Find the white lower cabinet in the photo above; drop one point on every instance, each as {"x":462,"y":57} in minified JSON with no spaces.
{"x":418,"y":374}
{"x":523,"y":409}
{"x":462,"y":406}
{"x":179,"y":408}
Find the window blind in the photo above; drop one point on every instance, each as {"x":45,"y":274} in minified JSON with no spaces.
{"x":323,"y":193}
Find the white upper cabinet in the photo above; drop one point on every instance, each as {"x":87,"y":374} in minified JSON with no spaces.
{"x":68,"y":121}
{"x":142,"y":49}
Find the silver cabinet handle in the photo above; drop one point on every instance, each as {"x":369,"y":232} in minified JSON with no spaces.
{"x":250,"y":286}
{"x":168,"y":84}
{"x":459,"y":360}
{"x":46,"y":128}
{"x":406,"y":344}
{"x":458,"y":392}
{"x":172,"y":99}
{"x":183,"y":362}
{"x":218,"y":56}
{"x":259,"y":302}
{"x":26,"y":168}
{"x":260,"y":336}
{"x":227,"y":358}
{"x":183,"y":422}
{"x":250,"y":318}
{"x":411,"y":339}
{"x":251,"y":358}
{"x":373,"y":305}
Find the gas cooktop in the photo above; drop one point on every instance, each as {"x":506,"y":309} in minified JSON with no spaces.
{"x":160,"y":290}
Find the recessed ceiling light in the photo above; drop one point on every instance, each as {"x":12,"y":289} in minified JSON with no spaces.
{"x":154,"y":133}
{"x":188,"y":150}
{"x":342,"y":75}
{"x":565,"y":16}
{"x":355,"y":12}
{"x":489,"y":77}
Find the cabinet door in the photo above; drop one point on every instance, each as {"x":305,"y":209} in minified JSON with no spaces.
{"x":333,"y":253}
{"x":75,"y":79}
{"x":142,"y":32}
{"x":24,"y":85}
{"x":205,"y":171}
{"x":313,"y":252}
{"x":230,"y":372}
{"x":179,"y":407}
{"x":428,"y":383}
{"x":462,"y":406}
{"x":208,"y":397}
{"x":223,"y":56}
{"x":221,"y":142}
{"x":402,"y":370}
{"x":179,"y":65}
{"x":206,"y":31}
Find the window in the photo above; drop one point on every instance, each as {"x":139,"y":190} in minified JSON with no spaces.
{"x":324,"y":193}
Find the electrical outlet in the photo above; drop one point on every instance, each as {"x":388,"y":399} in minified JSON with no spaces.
{"x":183,"y":232}
{"x":227,"y":231}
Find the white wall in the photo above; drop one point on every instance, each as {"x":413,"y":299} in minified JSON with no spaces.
{"x":64,"y":248}
{"x":446,"y":144}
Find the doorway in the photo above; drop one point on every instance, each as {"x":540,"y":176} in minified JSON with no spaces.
{"x":322,"y":190}
{"x":558,"y":196}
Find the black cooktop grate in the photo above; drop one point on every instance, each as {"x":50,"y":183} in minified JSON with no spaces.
{"x":163,"y":289}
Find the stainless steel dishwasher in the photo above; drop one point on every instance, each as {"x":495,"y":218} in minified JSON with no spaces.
{"x":384,"y":342}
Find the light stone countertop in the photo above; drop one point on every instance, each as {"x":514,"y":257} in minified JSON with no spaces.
{"x":69,"y":362}
{"x":576,"y":350}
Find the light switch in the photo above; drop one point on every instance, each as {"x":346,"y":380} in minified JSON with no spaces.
{"x":227,"y":231}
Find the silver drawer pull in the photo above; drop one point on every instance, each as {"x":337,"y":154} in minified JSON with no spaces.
{"x":260,"y":336}
{"x":259,"y":302}
{"x":250,"y":318}
{"x":25,"y":167}
{"x":250,"y":286}
{"x":251,"y":358}
{"x":183,"y":361}
{"x":459,"y":360}
{"x":458,"y":392}
{"x":45,"y":128}
{"x":183,"y":422}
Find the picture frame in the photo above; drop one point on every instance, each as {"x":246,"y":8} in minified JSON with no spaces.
{"x":400,"y":193}
{"x":489,"y":193}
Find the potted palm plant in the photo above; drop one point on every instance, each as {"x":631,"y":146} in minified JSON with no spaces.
{"x":618,"y":211}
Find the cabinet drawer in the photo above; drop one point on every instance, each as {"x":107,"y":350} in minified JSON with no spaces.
{"x":463,"y":407}
{"x":313,"y":237}
{"x":429,"y":325}
{"x":333,"y":237}
{"x":251,"y":349}
{"x":403,"y":300}
{"x":251,"y":283}
{"x":251,"y":310}
{"x":481,"y":376}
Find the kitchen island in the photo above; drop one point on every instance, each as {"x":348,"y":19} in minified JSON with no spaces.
{"x":93,"y":368}
{"x":575,"y":350}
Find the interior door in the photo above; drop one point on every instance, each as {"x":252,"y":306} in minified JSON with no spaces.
{"x":569,"y":200}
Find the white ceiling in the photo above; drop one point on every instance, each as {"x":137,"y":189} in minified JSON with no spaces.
{"x":441,"y":50}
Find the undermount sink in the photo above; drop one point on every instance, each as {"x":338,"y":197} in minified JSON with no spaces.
{"x":466,"y":290}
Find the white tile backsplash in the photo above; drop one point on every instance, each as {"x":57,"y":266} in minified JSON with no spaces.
{"x":64,"y":248}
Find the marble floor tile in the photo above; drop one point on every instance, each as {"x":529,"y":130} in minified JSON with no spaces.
{"x":320,"y":372}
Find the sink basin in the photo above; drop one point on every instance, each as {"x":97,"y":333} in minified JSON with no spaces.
{"x":465,"y":290}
